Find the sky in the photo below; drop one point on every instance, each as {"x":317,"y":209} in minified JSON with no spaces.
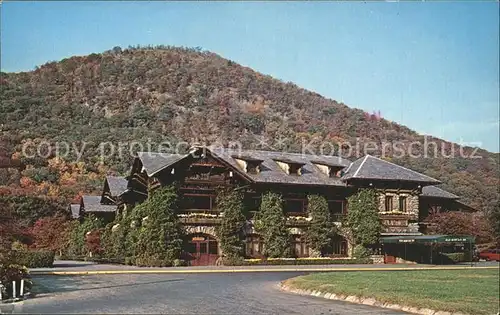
{"x":432,"y":66}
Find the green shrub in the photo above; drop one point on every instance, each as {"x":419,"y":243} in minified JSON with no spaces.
{"x":270,"y":223}
{"x":321,"y":230}
{"x":230,"y":230}
{"x":362,"y":219}
{"x":152,"y":261}
{"x":160,"y":235}
{"x":32,"y":259}
{"x":179,"y":263}
{"x":361,"y":252}
{"x":319,"y":261}
{"x":234,"y":261}
{"x":10,"y":273}
{"x":456,"y":257}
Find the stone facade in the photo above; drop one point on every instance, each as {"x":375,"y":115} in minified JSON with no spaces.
{"x":201,"y":229}
{"x":396,"y":221}
{"x":412,"y":204}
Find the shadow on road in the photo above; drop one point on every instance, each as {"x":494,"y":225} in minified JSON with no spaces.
{"x":71,"y":284}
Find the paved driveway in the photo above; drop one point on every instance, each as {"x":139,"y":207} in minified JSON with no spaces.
{"x":240,"y":293}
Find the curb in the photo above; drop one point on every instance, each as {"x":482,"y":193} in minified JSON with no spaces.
{"x":364,"y":301}
{"x":180,"y":271}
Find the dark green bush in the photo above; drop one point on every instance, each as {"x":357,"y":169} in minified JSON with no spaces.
{"x":455,"y":257}
{"x":361,"y":252}
{"x":152,"y":261}
{"x":308,"y":262}
{"x":32,"y":259}
{"x":10,"y":273}
{"x":179,"y":263}
{"x":234,"y":261}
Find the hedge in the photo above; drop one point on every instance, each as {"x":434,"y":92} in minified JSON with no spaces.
{"x":32,"y":259}
{"x":292,"y":261}
{"x":456,"y":257}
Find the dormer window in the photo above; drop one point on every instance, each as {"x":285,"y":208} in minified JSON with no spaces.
{"x":330,"y":170}
{"x":289,"y":166}
{"x":249,"y":164}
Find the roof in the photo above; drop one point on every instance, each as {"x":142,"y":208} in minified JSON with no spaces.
{"x":93,"y":204}
{"x":428,"y":239}
{"x":153,"y":162}
{"x":289,"y":161}
{"x":270,"y":172}
{"x":436,"y":192}
{"x":327,"y":163}
{"x":75,"y":211}
{"x":247,"y":158}
{"x":370,"y":167}
{"x":117,"y":185}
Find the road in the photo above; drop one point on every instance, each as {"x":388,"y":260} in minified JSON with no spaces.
{"x":223,"y":293}
{"x":83,"y":266}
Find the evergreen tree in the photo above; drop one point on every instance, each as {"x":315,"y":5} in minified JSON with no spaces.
{"x":230,"y":231}
{"x":160,"y":237}
{"x":321,"y":229}
{"x":270,"y":223}
{"x":362,"y":218}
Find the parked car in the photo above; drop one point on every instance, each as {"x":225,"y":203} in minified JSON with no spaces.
{"x":490,"y":254}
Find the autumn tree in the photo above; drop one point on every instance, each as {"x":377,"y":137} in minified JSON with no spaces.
{"x":52,"y":233}
{"x":270,"y":223}
{"x":494,"y":219}
{"x":79,"y":231}
{"x":461,"y":223}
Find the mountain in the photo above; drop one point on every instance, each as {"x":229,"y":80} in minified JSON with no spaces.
{"x":155,"y":94}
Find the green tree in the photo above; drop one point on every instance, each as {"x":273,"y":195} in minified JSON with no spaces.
{"x":160,"y":237}
{"x":270,"y":223}
{"x":362,"y":218}
{"x":230,"y":231}
{"x":321,"y":230}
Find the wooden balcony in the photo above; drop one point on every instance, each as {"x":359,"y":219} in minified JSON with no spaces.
{"x":200,"y":216}
{"x":199,"y":220}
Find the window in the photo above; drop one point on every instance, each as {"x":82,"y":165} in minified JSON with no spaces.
{"x":197,"y":202}
{"x":191,"y":248}
{"x":295,"y":205}
{"x":253,"y":246}
{"x":212,"y":247}
{"x":388,"y":203}
{"x":300,"y":247}
{"x":339,"y":246}
{"x":402,"y":203}
{"x":336,"y":206}
{"x":203,"y":247}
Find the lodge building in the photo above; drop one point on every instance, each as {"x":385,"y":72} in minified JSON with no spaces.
{"x":405,"y":197}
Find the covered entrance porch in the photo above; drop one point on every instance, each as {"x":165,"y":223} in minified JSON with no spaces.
{"x":202,"y":249}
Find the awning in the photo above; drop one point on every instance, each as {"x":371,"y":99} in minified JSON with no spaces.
{"x":447,"y":239}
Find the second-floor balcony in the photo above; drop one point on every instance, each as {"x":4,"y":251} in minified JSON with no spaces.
{"x":198,"y":216}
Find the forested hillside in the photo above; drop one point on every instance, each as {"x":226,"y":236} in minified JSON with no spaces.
{"x":178,"y":94}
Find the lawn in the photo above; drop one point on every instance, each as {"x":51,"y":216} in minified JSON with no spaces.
{"x":471,"y":291}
